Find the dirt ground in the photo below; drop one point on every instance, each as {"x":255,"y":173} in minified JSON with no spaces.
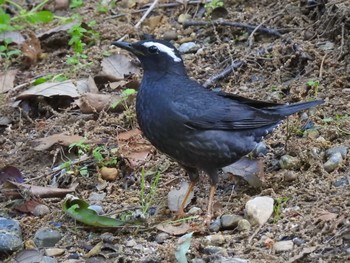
{"x":313,"y":47}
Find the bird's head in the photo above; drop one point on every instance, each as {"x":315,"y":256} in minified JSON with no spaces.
{"x":156,"y":56}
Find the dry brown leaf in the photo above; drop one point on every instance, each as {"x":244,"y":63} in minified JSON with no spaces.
{"x":31,"y":49}
{"x":125,"y":136}
{"x":91,"y":102}
{"x":326,"y":216}
{"x":174,"y":230}
{"x":16,"y":190}
{"x":62,"y":139}
{"x":118,"y":66}
{"x":28,"y":206}
{"x":7,"y":79}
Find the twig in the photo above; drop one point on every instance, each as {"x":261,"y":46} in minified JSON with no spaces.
{"x":224,"y":73}
{"x":149,"y":10}
{"x":254,"y":234}
{"x":260,"y":29}
{"x":321,"y":67}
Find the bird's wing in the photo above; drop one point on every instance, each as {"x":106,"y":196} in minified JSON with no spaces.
{"x":224,"y":114}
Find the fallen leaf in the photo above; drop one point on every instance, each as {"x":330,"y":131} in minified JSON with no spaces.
{"x":17,"y":190}
{"x":28,"y":206}
{"x":62,"y":139}
{"x":10,"y":173}
{"x":118,"y":66}
{"x":326,"y":216}
{"x":247,"y":169}
{"x":7,"y":79}
{"x":174,"y":230}
{"x":29,"y":256}
{"x":95,"y":250}
{"x":92,"y":102}
{"x":183,"y":245}
{"x":62,"y":28}
{"x":15,"y":36}
{"x":31,"y":49}
{"x":176,"y":196}
{"x":125,"y":136}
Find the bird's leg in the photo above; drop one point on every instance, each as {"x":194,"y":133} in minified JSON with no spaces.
{"x":180,"y":213}
{"x":193,"y":174}
{"x":209,"y":215}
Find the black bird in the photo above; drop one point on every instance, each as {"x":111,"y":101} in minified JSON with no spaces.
{"x":202,"y":130}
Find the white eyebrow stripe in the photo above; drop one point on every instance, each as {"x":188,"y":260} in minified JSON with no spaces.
{"x":163,"y":48}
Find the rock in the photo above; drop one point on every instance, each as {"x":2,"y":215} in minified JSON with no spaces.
{"x":97,"y":208}
{"x":188,"y":47}
{"x":161,"y":237}
{"x":215,"y":240}
{"x":183,"y":18}
{"x":233,"y":260}
{"x":109,"y":173}
{"x":10,"y":235}
{"x":337,"y":149}
{"x":298,"y":241}
{"x":194,"y":211}
{"x":52,"y":252}
{"x":281,"y":246}
{"x":131,"y":243}
{"x":244,"y":225}
{"x":259,"y":209}
{"x":260,"y":150}
{"x":347,"y":250}
{"x":333,"y":162}
{"x":342,"y":182}
{"x":289,"y":162}
{"x":170,"y":35}
{"x":211,"y":250}
{"x":311,"y":133}
{"x":198,"y":260}
{"x":290,"y":176}
{"x":229,"y":221}
{"x":215,"y":226}
{"x":96,"y":197}
{"x":46,"y":237}
{"x":304,"y":116}
{"x":41,"y":210}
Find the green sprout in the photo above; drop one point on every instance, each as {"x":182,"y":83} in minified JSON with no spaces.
{"x":277,"y":208}
{"x":124,"y":96}
{"x":213,"y":4}
{"x":147,"y":199}
{"x":5,"y":50}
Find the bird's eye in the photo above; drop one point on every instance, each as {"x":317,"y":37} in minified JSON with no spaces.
{"x":153,"y":50}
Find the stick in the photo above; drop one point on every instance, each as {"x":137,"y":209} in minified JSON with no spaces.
{"x":149,"y":10}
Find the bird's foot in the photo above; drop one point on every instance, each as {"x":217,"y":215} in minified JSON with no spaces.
{"x":180,"y":214}
{"x":207,"y":220}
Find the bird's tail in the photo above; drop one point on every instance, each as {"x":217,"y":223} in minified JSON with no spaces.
{"x":286,"y":110}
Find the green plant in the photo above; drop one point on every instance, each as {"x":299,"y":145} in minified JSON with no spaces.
{"x":78,"y":34}
{"x":147,"y":199}
{"x":33,"y":16}
{"x":277,"y":207}
{"x":82,"y":147}
{"x":105,"y":5}
{"x":5,"y":50}
{"x":314,"y":84}
{"x":76,"y":3}
{"x":124,"y":96}
{"x":103,"y":158}
{"x":213,"y":4}
{"x":49,"y":77}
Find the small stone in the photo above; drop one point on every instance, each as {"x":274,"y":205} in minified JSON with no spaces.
{"x":188,"y":47}
{"x":96,"y":197}
{"x":109,"y":174}
{"x":161,"y":237}
{"x":281,"y":246}
{"x":342,"y":182}
{"x":41,"y":210}
{"x":216,"y":239}
{"x":10,"y":235}
{"x":215,"y":225}
{"x":315,"y":152}
{"x":333,"y":162}
{"x":259,"y":209}
{"x":348,"y":250}
{"x":97,"y":208}
{"x":211,"y":250}
{"x":337,"y":149}
{"x":304,"y":116}
{"x":311,"y":133}
{"x":290,"y":176}
{"x":194,"y":211}
{"x":298,"y":241}
{"x":131,"y":243}
{"x":243,"y":225}
{"x":198,"y":260}
{"x":183,"y":18}
{"x":46,"y":237}
{"x":260,"y":150}
{"x":52,"y":252}
{"x":234,"y":260}
{"x":289,"y":162}
{"x":170,"y":35}
{"x":229,"y":221}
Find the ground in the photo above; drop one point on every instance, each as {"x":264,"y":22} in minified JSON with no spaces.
{"x":307,"y":60}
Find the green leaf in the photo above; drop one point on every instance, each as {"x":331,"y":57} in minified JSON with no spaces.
{"x":184,"y":244}
{"x":4,"y":18}
{"x":79,"y":210}
{"x":76,"y":3}
{"x":2,"y":1}
{"x":13,"y":52}
{"x":128,"y":92}
{"x":40,"y":17}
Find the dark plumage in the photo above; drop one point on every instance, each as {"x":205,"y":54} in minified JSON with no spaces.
{"x":199,"y":128}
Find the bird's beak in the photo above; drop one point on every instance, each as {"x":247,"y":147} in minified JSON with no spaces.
{"x":128,"y":46}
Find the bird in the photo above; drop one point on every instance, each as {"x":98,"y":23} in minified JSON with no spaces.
{"x":201,"y":129}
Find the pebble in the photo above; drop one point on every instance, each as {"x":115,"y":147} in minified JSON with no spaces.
{"x":183,"y":18}
{"x":109,"y":173}
{"x":46,"y":237}
{"x":229,"y":221}
{"x":215,"y":225}
{"x":244,"y":225}
{"x":41,"y":210}
{"x":342,"y":182}
{"x":188,"y":47}
{"x":234,"y":260}
{"x":10,"y":235}
{"x":96,"y":197}
{"x":289,"y":162}
{"x":259,"y":209}
{"x":194,"y":211}
{"x":198,"y":260}
{"x":333,"y":162}
{"x":311,"y":133}
{"x":348,"y":250}
{"x":290,"y":176}
{"x":211,"y":250}
{"x":52,"y":252}
{"x":260,"y":150}
{"x":216,"y":239}
{"x":298,"y":241}
{"x":170,"y":35}
{"x":131,"y":243}
{"x":161,"y":237}
{"x":281,"y":246}
{"x":337,"y":149}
